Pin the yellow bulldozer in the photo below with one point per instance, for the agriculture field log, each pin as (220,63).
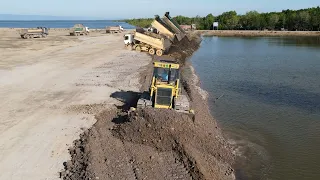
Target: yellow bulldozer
(165,89)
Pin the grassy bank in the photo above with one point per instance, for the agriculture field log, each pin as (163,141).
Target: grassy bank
(256,33)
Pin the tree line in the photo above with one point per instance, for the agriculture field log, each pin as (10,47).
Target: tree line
(291,20)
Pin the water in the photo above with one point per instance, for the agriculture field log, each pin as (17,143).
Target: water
(99,24)
(268,104)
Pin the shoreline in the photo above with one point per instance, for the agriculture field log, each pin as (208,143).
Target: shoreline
(219,33)
(250,33)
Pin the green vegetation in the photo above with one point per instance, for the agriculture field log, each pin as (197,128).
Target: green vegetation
(292,20)
(140,22)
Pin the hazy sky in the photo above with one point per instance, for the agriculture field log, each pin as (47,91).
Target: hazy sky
(111,9)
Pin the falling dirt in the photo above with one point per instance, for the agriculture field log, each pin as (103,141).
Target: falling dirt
(154,143)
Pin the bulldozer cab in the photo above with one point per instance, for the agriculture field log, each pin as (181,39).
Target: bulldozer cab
(164,84)
(166,75)
(166,72)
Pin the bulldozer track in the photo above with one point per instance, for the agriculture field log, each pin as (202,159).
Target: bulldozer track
(176,169)
(165,164)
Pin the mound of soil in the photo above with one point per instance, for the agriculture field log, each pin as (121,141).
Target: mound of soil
(201,151)
(181,50)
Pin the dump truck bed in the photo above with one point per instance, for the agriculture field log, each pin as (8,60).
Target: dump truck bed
(113,28)
(26,31)
(163,28)
(180,33)
(159,43)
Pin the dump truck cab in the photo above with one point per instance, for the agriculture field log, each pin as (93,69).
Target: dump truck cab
(128,39)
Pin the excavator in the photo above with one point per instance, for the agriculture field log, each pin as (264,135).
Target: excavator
(165,89)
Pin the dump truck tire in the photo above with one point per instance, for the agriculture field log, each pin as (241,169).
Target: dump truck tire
(159,52)
(151,51)
(138,48)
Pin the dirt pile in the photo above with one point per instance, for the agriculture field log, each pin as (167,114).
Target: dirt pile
(197,147)
(77,167)
(181,50)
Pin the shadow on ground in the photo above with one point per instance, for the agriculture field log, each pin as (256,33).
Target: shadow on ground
(129,99)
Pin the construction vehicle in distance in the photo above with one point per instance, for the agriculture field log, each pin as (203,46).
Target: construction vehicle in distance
(114,29)
(149,42)
(79,29)
(34,33)
(165,89)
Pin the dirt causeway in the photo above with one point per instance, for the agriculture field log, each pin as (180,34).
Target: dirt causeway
(153,143)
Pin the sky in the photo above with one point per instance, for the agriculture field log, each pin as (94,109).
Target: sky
(120,9)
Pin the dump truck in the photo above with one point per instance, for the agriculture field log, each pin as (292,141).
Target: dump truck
(173,24)
(114,29)
(168,27)
(79,29)
(162,28)
(34,33)
(165,89)
(150,42)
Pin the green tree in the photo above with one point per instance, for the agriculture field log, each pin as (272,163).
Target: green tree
(229,20)
(273,20)
(208,21)
(253,20)
(303,19)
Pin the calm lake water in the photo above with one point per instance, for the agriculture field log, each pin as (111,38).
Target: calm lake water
(265,94)
(98,24)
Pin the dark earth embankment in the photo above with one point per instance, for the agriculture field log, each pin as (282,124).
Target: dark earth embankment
(154,143)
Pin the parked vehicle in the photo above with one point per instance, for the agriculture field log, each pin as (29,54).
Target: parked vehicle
(114,29)
(79,29)
(39,32)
